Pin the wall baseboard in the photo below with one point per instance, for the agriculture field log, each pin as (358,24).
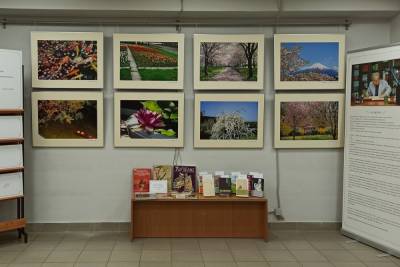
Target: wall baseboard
(124,227)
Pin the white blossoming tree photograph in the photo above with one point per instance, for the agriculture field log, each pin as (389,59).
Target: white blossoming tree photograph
(229,121)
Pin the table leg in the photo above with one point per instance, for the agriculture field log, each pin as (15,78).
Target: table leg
(266,221)
(132,217)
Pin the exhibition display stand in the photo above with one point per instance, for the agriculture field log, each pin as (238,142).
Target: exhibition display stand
(200,216)
(12,138)
(371,179)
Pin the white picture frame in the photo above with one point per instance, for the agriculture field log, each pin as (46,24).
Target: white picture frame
(11,93)
(318,97)
(228,85)
(67,36)
(310,38)
(39,141)
(159,141)
(200,142)
(148,84)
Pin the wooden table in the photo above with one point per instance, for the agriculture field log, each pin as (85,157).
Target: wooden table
(200,217)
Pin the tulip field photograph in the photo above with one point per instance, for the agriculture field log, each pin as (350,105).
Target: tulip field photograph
(313,120)
(149,119)
(67,119)
(148,61)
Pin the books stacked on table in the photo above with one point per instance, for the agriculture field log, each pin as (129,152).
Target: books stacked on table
(164,181)
(233,184)
(182,181)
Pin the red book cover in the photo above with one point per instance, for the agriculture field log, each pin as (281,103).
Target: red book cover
(141,180)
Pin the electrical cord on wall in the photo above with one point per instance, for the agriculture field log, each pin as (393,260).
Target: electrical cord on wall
(278,211)
(177,157)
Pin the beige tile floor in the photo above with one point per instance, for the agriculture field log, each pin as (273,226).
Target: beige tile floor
(95,247)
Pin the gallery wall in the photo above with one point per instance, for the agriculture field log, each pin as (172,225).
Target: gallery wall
(395,29)
(93,184)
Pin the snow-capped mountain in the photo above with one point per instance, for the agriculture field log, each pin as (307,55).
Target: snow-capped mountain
(318,66)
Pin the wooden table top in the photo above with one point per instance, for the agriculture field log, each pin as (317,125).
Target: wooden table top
(199,197)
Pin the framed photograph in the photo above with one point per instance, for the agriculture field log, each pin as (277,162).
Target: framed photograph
(148,61)
(309,61)
(67,59)
(148,119)
(376,83)
(67,119)
(309,120)
(229,120)
(228,61)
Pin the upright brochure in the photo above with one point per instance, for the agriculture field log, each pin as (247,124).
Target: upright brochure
(234,176)
(159,187)
(224,185)
(208,185)
(200,182)
(217,174)
(250,176)
(141,180)
(257,185)
(163,172)
(184,179)
(242,186)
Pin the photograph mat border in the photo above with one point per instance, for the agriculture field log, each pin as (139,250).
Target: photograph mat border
(309,38)
(228,85)
(258,143)
(178,142)
(278,143)
(68,36)
(38,141)
(168,37)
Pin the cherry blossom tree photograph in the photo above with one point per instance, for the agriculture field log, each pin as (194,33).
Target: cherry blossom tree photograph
(316,120)
(228,61)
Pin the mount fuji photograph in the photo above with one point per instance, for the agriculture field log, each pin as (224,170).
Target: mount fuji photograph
(303,61)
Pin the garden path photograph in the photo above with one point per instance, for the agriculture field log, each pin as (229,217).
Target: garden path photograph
(222,61)
(148,61)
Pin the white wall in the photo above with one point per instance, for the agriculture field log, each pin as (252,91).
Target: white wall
(93,184)
(395,29)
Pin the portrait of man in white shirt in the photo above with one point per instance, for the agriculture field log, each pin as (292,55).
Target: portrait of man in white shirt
(378,87)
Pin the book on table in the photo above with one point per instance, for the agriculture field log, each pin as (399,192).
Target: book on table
(141,181)
(242,186)
(163,172)
(184,179)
